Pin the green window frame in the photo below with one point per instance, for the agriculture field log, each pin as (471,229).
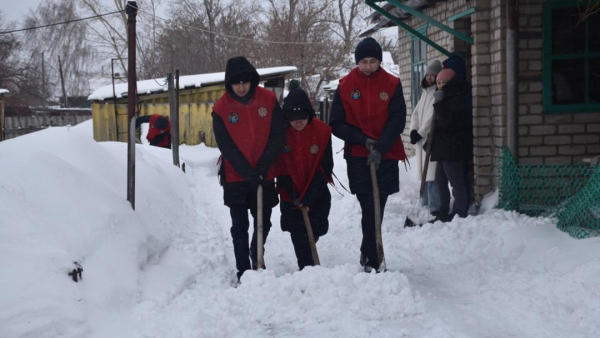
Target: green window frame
(418,64)
(570,58)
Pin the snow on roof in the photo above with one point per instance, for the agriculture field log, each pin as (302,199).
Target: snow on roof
(188,81)
(332,85)
(3,91)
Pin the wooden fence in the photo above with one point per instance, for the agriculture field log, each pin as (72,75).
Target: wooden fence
(17,123)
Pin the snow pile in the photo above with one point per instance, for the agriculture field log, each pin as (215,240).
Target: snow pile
(166,269)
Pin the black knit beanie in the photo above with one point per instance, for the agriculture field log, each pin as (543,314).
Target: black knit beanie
(297,106)
(162,123)
(368,47)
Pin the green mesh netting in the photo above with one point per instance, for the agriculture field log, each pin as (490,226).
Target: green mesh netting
(569,192)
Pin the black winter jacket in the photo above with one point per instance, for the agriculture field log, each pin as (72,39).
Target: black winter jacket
(453,131)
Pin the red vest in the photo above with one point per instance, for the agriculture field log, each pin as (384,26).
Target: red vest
(301,157)
(366,100)
(153,132)
(249,125)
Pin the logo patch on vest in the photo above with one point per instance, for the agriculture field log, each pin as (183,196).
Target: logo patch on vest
(314,149)
(384,96)
(233,117)
(287,148)
(262,112)
(355,94)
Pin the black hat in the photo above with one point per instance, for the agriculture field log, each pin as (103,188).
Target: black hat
(297,106)
(294,84)
(368,47)
(162,123)
(239,69)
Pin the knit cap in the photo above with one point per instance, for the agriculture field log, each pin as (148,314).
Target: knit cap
(445,74)
(434,67)
(368,47)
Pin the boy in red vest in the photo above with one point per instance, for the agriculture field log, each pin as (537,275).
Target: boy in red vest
(250,131)
(159,133)
(368,112)
(306,167)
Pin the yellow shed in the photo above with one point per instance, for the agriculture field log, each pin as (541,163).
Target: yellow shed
(197,95)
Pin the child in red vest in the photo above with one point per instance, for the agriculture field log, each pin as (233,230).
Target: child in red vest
(159,133)
(305,167)
(250,131)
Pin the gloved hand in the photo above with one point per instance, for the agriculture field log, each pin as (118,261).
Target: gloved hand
(370,143)
(374,157)
(415,137)
(255,180)
(438,96)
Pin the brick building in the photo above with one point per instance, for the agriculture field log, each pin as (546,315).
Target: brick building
(534,66)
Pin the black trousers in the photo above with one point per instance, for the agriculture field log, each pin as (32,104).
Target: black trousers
(302,248)
(368,246)
(453,172)
(239,234)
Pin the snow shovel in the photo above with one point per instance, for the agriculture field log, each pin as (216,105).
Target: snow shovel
(311,236)
(378,238)
(409,222)
(260,249)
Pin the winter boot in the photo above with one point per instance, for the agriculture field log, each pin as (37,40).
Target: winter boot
(443,217)
(363,259)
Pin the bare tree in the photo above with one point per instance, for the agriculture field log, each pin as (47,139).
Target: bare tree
(68,41)
(14,75)
(322,33)
(109,33)
(202,34)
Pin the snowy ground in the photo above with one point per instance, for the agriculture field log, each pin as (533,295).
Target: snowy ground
(167,268)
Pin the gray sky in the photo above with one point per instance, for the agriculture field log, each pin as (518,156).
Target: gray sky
(16,10)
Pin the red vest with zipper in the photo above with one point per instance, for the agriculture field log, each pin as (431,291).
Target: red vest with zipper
(153,132)
(301,157)
(366,100)
(249,125)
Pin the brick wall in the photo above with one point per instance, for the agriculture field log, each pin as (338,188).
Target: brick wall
(565,138)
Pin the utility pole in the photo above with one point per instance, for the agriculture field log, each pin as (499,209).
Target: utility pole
(175,122)
(62,83)
(44,80)
(131,11)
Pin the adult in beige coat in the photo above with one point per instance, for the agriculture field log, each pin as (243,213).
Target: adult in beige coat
(420,124)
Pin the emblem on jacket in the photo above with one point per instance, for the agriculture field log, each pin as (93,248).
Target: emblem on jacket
(355,94)
(384,96)
(262,112)
(233,117)
(287,148)
(314,149)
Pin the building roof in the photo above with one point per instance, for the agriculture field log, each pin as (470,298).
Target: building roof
(153,86)
(3,91)
(378,21)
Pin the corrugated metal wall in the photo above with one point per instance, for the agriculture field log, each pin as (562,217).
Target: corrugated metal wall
(195,122)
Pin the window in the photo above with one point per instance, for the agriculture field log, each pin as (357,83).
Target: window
(418,65)
(571,58)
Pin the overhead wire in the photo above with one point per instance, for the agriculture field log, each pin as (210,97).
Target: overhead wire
(59,23)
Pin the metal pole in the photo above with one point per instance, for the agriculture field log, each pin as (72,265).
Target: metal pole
(512,77)
(62,83)
(175,122)
(131,100)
